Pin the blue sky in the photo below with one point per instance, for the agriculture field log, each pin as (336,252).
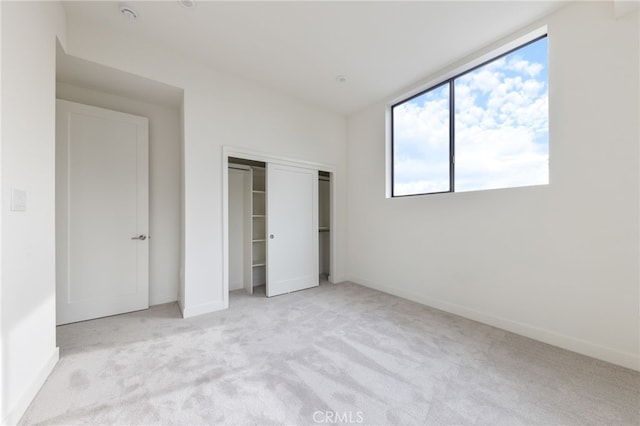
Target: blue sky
(501,128)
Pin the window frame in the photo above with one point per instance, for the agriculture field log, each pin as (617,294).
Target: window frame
(450,81)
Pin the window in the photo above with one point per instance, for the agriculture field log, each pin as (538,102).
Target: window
(485,128)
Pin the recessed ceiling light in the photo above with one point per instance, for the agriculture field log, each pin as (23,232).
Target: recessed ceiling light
(188,3)
(341,79)
(128,11)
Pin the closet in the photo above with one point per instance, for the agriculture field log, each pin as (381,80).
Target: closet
(324,225)
(278,242)
(247,225)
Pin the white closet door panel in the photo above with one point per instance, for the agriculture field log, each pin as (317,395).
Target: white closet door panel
(292,229)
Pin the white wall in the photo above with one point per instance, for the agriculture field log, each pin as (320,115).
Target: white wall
(558,263)
(2,374)
(27,296)
(164,182)
(220,110)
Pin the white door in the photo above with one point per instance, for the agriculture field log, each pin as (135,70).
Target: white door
(292,229)
(102,212)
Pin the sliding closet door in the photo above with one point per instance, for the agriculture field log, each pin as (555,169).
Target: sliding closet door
(292,229)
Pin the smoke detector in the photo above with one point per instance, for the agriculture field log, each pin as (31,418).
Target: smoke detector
(128,11)
(188,3)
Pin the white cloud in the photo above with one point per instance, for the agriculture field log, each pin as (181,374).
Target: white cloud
(419,125)
(524,66)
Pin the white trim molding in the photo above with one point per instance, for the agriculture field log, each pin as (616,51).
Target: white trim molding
(204,308)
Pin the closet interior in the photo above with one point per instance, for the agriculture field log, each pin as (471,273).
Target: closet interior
(324,225)
(247,225)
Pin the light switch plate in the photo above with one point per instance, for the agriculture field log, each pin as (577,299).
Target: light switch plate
(18,200)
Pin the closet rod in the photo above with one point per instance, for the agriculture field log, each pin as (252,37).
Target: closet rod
(238,168)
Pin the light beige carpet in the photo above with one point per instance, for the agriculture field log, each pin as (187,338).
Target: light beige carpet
(334,354)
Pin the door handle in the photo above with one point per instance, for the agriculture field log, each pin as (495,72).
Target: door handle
(272,236)
(140,237)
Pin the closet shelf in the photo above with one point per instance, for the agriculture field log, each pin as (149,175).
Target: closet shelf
(257,191)
(259,263)
(323,229)
(257,215)
(258,241)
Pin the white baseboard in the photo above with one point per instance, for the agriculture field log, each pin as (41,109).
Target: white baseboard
(236,286)
(624,359)
(203,308)
(161,299)
(18,410)
(335,279)
(181,307)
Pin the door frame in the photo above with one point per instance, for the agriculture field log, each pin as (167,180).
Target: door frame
(248,154)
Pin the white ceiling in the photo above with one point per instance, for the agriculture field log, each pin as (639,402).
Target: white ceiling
(300,47)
